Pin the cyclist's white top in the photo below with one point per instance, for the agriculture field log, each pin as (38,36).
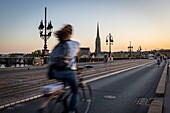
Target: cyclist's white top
(72,53)
(158,58)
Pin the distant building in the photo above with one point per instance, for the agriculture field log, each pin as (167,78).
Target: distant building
(165,52)
(150,56)
(98,42)
(85,52)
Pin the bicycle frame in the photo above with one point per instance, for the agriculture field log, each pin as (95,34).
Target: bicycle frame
(62,92)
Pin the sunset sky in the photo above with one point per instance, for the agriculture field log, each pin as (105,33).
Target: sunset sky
(145,23)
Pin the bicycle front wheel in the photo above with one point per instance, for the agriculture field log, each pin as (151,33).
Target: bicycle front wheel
(55,105)
(85,99)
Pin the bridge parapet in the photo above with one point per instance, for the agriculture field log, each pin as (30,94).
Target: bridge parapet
(18,61)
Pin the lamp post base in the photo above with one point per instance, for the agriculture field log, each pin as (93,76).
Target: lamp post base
(45,54)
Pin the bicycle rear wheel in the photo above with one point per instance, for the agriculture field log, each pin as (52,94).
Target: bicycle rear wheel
(85,99)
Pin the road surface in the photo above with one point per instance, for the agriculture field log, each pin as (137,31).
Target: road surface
(118,93)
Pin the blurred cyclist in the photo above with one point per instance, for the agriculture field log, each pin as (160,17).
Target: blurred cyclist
(68,75)
(158,57)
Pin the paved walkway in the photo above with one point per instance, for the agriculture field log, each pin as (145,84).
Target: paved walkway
(167,94)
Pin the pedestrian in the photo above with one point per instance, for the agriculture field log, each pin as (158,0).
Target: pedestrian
(68,75)
(105,58)
(92,60)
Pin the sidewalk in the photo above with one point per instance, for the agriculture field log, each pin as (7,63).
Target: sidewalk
(167,93)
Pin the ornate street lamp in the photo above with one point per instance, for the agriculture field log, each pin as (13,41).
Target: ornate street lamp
(45,36)
(109,40)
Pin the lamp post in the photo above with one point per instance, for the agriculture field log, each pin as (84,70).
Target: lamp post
(109,40)
(139,52)
(45,36)
(130,50)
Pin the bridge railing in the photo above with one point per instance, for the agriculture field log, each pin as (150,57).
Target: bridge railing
(25,61)
(12,61)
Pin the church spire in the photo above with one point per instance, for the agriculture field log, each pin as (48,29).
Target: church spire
(98,44)
(98,29)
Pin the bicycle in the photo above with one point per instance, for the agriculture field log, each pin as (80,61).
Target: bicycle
(158,62)
(57,96)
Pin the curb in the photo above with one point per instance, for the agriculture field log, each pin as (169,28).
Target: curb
(160,91)
(20,101)
(156,106)
(158,103)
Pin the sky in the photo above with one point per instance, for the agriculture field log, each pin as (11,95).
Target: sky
(144,23)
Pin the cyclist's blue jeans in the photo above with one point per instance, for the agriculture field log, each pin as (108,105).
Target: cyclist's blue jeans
(69,77)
